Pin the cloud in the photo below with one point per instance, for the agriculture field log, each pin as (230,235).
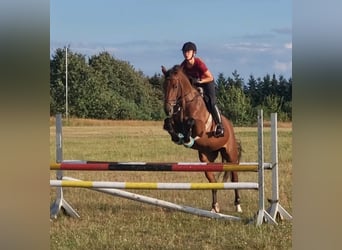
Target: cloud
(288,45)
(137,47)
(282,66)
(259,36)
(284,30)
(247,46)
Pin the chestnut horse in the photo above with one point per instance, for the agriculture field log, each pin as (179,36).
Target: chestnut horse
(190,124)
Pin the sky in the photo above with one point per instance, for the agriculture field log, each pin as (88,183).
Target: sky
(253,37)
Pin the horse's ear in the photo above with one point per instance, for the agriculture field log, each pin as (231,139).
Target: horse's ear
(163,70)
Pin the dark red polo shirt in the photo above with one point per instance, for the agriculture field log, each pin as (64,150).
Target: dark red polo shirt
(197,70)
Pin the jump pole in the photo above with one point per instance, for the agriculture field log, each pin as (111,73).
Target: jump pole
(161,203)
(153,166)
(153,185)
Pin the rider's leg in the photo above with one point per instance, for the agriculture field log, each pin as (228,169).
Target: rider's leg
(209,89)
(217,117)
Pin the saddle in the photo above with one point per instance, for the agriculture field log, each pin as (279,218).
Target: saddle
(201,92)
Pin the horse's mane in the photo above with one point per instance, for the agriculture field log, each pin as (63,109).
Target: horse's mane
(178,70)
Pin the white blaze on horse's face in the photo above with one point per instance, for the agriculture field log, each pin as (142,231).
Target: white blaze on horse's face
(171,91)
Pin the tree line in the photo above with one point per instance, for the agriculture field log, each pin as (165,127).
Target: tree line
(104,87)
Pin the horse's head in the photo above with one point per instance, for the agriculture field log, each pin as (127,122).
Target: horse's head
(172,89)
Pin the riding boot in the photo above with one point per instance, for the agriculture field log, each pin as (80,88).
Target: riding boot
(219,131)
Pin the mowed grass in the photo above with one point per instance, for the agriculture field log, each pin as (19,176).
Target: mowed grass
(109,222)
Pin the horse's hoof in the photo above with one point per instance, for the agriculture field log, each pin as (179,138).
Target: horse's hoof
(215,208)
(238,208)
(190,143)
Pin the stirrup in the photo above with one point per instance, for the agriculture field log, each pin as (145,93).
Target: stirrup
(219,131)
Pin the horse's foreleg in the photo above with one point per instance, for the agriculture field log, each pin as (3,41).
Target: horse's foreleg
(169,127)
(235,178)
(188,126)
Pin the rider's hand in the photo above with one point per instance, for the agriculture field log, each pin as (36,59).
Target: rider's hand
(194,81)
(198,83)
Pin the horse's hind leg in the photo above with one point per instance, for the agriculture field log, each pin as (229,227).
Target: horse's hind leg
(211,178)
(234,178)
(214,205)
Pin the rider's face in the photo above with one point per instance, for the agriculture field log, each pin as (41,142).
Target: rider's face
(188,54)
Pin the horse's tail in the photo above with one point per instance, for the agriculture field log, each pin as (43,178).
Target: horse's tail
(225,173)
(240,150)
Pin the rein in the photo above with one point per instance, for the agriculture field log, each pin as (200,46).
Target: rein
(183,96)
(182,100)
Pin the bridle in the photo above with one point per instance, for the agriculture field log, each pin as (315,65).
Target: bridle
(181,98)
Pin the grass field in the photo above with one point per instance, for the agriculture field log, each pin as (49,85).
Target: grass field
(109,222)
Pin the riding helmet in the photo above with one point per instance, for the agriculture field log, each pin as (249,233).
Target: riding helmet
(189,46)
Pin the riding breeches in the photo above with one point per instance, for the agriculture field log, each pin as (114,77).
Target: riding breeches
(210,100)
(209,95)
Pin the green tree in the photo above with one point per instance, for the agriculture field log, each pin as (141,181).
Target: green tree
(232,100)
(252,91)
(103,87)
(57,82)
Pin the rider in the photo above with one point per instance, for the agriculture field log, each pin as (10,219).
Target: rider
(200,76)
